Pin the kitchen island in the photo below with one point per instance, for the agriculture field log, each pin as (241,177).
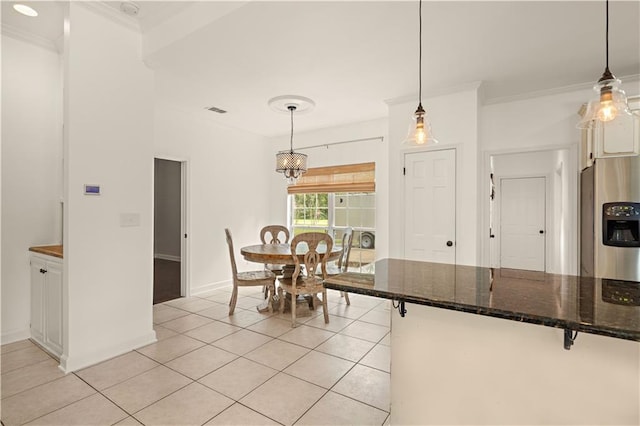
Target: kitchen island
(478,346)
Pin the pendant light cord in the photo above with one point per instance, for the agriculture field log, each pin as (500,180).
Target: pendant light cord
(420,54)
(291,108)
(607,34)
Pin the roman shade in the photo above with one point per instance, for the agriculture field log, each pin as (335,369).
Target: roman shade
(346,178)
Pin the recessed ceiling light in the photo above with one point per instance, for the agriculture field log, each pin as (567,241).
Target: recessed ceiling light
(25,10)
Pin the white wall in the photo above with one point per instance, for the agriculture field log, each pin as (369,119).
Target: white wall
(339,154)
(227,186)
(108,119)
(166,209)
(31,171)
(454,120)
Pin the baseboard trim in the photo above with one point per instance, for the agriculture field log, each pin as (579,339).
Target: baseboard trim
(209,287)
(15,336)
(70,364)
(167,257)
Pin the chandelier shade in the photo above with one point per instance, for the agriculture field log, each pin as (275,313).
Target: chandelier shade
(291,164)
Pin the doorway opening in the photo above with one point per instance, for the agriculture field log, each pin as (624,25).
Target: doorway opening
(530,210)
(169,250)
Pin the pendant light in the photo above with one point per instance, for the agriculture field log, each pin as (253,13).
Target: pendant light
(290,163)
(611,101)
(420,129)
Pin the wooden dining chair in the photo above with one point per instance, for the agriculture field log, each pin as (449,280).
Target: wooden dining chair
(274,234)
(249,278)
(309,280)
(342,265)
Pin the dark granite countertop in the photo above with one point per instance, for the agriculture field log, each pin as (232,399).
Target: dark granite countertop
(591,305)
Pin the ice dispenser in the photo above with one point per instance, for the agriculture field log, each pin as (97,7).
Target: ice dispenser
(621,224)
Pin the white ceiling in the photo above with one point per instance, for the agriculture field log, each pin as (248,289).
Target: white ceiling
(351,57)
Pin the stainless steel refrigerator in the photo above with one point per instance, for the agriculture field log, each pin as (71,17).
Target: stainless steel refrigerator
(610,219)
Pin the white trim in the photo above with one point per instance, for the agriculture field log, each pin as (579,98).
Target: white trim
(115,15)
(68,365)
(15,336)
(167,257)
(552,91)
(185,243)
(206,288)
(465,87)
(29,37)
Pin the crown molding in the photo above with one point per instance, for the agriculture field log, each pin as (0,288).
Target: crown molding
(29,37)
(115,15)
(553,91)
(474,85)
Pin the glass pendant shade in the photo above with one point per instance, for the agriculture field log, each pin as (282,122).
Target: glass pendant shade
(609,102)
(420,130)
(291,164)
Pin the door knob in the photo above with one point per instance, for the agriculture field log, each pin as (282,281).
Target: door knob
(449,243)
(42,271)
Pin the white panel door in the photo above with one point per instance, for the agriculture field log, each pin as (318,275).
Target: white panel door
(522,223)
(430,206)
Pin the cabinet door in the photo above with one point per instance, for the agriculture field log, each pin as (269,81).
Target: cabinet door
(53,311)
(37,298)
(620,137)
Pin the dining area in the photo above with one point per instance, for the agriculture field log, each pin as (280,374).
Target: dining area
(293,269)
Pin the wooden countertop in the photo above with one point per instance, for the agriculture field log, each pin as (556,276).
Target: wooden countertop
(53,250)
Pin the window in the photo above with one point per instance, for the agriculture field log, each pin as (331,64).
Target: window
(330,199)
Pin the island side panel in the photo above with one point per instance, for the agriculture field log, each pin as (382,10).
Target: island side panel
(450,367)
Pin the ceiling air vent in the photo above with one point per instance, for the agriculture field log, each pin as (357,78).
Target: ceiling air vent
(215,109)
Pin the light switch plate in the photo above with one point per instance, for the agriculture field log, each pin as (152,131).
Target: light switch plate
(129,219)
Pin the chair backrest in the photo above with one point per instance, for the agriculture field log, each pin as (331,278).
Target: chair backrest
(270,234)
(231,255)
(347,241)
(312,258)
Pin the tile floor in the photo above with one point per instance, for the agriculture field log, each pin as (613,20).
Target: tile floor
(208,368)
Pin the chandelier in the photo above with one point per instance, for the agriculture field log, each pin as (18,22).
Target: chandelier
(290,163)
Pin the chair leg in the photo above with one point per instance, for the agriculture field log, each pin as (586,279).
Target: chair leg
(271,291)
(293,310)
(281,297)
(325,308)
(346,297)
(234,299)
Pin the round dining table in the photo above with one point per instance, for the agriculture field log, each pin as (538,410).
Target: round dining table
(280,254)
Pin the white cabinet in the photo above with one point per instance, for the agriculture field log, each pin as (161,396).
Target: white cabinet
(46,302)
(620,137)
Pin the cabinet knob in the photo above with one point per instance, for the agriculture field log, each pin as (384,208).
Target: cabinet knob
(449,243)
(43,271)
